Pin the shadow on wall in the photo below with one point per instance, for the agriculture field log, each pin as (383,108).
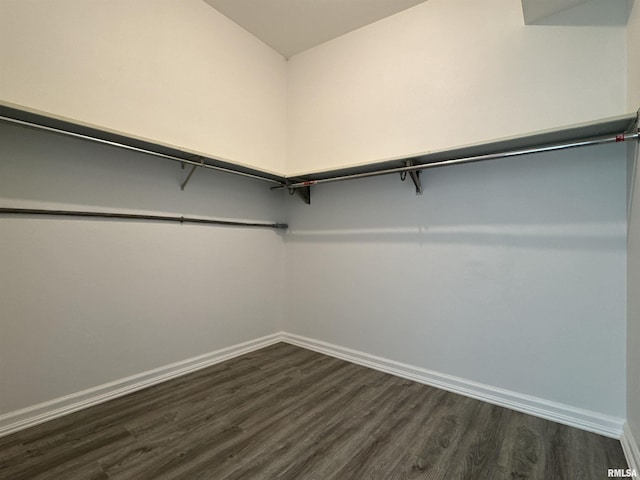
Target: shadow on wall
(476,236)
(39,168)
(573,199)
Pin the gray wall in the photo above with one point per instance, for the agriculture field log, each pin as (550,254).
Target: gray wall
(85,302)
(633,306)
(633,247)
(509,273)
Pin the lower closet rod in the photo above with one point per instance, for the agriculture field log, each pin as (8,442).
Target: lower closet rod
(133,216)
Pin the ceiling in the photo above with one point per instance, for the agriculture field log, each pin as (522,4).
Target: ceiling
(292,26)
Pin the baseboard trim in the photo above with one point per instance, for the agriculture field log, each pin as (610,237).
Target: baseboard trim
(630,448)
(557,412)
(43,412)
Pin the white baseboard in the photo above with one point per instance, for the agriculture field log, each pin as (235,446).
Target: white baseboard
(43,412)
(557,412)
(630,448)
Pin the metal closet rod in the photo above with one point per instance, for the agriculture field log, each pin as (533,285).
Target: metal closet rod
(133,216)
(476,158)
(136,149)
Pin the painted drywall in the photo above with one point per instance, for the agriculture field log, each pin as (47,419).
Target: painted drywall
(509,273)
(633,240)
(633,303)
(178,72)
(86,302)
(633,58)
(447,73)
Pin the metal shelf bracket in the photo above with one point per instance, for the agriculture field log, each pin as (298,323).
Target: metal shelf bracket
(193,169)
(414,175)
(304,192)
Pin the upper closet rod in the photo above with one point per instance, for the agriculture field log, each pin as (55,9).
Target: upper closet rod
(477,158)
(136,149)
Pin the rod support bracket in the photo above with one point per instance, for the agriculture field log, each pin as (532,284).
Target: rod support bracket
(414,175)
(193,169)
(303,192)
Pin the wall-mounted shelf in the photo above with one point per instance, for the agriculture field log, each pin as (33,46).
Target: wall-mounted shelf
(43,122)
(609,130)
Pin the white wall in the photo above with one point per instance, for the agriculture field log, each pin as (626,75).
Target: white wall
(174,71)
(633,246)
(447,73)
(633,58)
(633,304)
(509,273)
(442,74)
(85,302)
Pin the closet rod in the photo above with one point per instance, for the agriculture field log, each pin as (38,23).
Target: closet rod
(136,149)
(602,140)
(132,216)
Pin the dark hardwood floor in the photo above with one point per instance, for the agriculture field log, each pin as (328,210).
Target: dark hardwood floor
(284,412)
